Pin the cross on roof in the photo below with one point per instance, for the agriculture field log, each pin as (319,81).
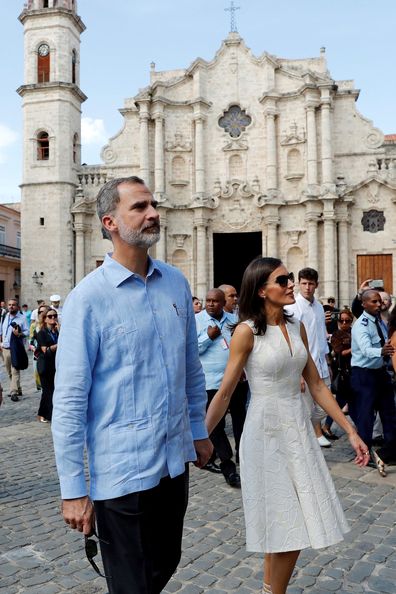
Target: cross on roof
(232,9)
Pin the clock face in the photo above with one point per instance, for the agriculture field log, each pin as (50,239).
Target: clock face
(43,50)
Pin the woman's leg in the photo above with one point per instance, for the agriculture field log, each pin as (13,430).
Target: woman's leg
(267,573)
(282,565)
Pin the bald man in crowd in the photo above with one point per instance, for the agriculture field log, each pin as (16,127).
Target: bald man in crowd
(371,384)
(239,398)
(214,326)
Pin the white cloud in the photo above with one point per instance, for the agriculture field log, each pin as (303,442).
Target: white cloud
(7,137)
(93,131)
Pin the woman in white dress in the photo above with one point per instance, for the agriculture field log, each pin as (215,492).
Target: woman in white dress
(288,495)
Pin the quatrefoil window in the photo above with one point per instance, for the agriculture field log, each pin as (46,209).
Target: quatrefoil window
(234,121)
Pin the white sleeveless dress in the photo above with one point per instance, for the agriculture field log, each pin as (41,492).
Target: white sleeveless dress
(289,498)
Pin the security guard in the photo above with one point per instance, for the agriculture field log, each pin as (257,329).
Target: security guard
(371,384)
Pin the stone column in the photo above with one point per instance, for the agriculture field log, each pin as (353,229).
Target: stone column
(271,168)
(144,116)
(329,249)
(343,265)
(202,256)
(80,251)
(199,155)
(272,221)
(312,214)
(327,153)
(312,151)
(159,169)
(161,246)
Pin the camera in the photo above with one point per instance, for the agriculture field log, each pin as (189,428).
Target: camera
(376,284)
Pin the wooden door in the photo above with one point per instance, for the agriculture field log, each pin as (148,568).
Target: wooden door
(377,266)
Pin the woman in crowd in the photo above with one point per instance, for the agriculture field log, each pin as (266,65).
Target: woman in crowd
(47,341)
(35,327)
(289,498)
(341,345)
(197,305)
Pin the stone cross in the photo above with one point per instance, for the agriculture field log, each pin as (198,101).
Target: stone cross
(232,9)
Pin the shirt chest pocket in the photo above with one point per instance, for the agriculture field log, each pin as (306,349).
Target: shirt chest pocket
(120,340)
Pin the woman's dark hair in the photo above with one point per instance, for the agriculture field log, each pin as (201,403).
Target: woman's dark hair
(250,304)
(345,312)
(392,322)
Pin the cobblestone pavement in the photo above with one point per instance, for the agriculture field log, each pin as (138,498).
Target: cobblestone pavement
(40,555)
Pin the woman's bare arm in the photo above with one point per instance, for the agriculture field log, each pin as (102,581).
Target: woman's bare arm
(240,348)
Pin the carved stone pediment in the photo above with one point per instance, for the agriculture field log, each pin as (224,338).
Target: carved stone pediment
(239,144)
(179,144)
(294,136)
(233,188)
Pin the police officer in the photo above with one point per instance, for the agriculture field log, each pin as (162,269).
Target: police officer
(371,384)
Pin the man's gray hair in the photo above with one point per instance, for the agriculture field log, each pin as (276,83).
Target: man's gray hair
(108,198)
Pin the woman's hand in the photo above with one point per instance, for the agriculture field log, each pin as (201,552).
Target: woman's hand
(361,450)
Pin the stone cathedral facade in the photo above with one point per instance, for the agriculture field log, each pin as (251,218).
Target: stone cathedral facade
(245,154)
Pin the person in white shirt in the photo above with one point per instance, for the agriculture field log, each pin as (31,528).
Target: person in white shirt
(310,311)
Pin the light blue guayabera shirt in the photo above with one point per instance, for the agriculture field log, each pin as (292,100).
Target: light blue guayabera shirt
(6,328)
(129,383)
(214,353)
(366,343)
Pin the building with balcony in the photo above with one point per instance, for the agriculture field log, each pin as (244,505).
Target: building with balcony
(10,251)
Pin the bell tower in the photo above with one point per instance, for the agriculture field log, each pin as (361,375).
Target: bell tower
(51,105)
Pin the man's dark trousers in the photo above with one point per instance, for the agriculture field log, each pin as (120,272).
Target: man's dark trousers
(221,443)
(373,391)
(144,532)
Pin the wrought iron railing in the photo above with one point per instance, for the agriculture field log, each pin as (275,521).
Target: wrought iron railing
(8,250)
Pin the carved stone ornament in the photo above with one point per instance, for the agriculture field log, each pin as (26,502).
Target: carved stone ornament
(372,193)
(179,144)
(108,154)
(234,121)
(375,138)
(233,187)
(180,239)
(373,221)
(294,235)
(294,136)
(236,145)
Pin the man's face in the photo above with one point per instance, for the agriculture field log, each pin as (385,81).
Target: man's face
(2,303)
(307,288)
(214,303)
(386,300)
(136,218)
(372,304)
(231,298)
(12,307)
(55,303)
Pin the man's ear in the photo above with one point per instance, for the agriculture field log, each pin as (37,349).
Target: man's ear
(109,223)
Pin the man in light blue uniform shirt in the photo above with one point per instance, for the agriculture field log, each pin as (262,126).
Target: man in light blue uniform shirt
(371,385)
(130,388)
(14,322)
(214,336)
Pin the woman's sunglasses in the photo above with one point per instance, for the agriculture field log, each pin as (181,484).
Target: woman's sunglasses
(51,316)
(347,321)
(283,279)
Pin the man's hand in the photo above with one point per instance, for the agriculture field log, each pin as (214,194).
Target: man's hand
(204,450)
(388,349)
(79,514)
(213,332)
(365,285)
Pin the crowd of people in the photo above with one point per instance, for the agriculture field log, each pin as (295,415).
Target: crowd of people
(39,329)
(144,387)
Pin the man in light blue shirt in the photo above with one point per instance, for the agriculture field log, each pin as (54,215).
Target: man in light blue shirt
(214,335)
(14,322)
(371,385)
(129,386)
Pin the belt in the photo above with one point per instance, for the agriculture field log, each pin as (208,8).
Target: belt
(7,348)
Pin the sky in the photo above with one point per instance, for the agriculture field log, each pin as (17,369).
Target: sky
(124,36)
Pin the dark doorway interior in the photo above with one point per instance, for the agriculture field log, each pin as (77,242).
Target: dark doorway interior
(2,297)
(232,252)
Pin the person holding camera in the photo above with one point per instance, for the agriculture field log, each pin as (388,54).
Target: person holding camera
(47,341)
(15,323)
